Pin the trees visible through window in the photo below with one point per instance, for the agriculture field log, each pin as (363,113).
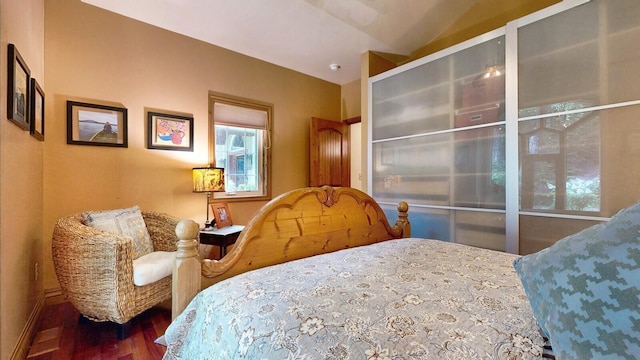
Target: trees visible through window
(241,145)
(560,160)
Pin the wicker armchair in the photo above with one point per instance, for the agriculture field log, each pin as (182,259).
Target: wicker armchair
(95,269)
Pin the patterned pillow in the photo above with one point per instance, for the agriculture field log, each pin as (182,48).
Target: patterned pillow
(128,222)
(585,290)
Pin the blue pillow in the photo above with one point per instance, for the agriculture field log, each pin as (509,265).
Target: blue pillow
(585,290)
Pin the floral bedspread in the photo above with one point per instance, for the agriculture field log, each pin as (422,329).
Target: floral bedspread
(400,299)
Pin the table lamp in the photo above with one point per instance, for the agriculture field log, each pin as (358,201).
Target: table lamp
(208,180)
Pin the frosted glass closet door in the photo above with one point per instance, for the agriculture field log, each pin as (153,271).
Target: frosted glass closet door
(579,128)
(438,143)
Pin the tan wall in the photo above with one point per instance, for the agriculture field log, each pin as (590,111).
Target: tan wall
(21,159)
(483,17)
(350,100)
(351,108)
(95,54)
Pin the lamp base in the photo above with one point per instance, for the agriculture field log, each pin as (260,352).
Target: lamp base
(209,225)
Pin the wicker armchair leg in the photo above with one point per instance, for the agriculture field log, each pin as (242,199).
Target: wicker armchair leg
(124,330)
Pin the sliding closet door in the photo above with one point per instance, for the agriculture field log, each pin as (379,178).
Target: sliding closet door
(578,119)
(438,142)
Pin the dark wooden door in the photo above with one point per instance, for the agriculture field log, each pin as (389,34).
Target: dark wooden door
(329,153)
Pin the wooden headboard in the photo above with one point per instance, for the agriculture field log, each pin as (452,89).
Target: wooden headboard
(303,223)
(298,224)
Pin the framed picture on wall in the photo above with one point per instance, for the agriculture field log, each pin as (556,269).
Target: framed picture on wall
(93,124)
(221,214)
(36,111)
(169,131)
(18,89)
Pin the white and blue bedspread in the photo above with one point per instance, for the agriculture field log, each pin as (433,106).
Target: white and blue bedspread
(400,299)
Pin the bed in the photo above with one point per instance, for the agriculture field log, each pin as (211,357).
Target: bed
(319,273)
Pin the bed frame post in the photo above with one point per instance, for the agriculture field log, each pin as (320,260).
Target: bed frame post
(402,222)
(186,269)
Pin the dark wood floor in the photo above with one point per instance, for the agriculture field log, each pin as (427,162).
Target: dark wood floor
(61,336)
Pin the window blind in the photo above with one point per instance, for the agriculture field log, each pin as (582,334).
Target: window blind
(230,115)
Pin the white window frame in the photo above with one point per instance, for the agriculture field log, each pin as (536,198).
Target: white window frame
(244,106)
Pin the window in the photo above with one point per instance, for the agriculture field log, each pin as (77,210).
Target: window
(240,143)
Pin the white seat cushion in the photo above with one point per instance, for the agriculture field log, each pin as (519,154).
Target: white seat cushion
(152,267)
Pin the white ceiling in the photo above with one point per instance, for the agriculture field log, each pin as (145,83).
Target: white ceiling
(302,35)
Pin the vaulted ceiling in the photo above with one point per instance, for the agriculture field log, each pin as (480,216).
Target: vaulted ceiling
(303,35)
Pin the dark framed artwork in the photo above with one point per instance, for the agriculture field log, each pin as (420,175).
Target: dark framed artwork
(93,124)
(18,89)
(222,215)
(36,111)
(169,132)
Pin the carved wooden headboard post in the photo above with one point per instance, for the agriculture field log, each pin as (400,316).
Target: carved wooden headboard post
(403,219)
(186,267)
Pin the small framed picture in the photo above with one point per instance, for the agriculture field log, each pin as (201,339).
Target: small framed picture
(169,132)
(36,111)
(221,214)
(92,124)
(18,89)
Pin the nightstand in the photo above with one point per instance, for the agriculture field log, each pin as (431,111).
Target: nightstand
(221,237)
